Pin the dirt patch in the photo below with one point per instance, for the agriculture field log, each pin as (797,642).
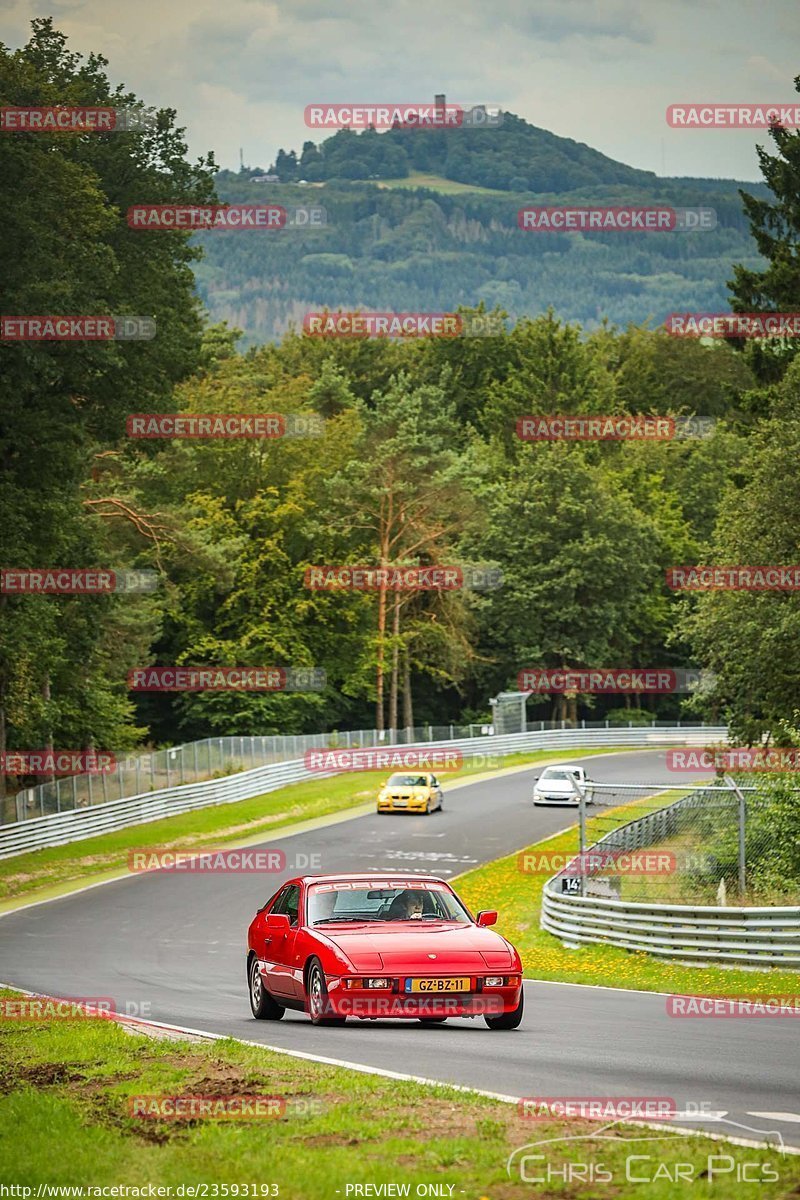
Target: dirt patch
(42,1075)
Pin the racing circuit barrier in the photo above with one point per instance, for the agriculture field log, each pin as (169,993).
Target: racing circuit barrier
(691,933)
(76,824)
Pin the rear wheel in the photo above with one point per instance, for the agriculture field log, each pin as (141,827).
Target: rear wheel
(263,1007)
(509,1020)
(317,1001)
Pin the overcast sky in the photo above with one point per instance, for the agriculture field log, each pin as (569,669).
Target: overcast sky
(241,72)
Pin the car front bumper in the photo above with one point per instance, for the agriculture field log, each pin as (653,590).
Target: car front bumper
(412,806)
(369,1004)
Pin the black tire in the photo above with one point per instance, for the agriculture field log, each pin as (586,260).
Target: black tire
(262,1005)
(317,996)
(508,1020)
(432,1020)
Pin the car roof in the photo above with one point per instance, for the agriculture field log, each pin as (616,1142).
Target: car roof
(367,877)
(563,767)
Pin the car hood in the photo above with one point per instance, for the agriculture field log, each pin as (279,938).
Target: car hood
(428,947)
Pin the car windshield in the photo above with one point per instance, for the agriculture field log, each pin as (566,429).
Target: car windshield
(407,781)
(346,901)
(552,774)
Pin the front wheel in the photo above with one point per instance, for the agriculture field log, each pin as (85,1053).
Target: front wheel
(317,1000)
(262,1005)
(509,1020)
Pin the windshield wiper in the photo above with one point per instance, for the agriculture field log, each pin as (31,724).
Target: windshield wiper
(327,920)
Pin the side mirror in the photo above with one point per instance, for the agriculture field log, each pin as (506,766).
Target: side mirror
(487,916)
(279,922)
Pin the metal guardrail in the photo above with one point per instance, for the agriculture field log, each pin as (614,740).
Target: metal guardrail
(73,825)
(768,936)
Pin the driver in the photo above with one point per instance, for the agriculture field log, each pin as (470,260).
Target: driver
(407,905)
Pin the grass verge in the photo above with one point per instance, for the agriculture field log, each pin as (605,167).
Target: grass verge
(65,1119)
(437,183)
(221,824)
(518,896)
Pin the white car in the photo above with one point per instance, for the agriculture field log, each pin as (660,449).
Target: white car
(556,785)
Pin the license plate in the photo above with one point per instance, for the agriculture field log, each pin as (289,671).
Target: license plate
(399,803)
(437,985)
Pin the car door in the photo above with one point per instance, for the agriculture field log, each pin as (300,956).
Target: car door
(279,944)
(436,790)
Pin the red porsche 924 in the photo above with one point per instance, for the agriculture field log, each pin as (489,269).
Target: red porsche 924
(339,946)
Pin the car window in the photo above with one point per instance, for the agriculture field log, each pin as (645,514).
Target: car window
(367,903)
(288,902)
(407,781)
(434,781)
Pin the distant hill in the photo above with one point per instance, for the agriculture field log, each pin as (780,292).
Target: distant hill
(404,247)
(514,156)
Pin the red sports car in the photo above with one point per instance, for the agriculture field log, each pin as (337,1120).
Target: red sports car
(339,946)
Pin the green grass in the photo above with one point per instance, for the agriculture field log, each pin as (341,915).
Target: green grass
(517,896)
(222,824)
(65,1120)
(437,183)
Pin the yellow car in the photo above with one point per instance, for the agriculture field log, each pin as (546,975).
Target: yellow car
(410,791)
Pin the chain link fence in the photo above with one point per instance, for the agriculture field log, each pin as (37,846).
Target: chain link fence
(214,758)
(734,841)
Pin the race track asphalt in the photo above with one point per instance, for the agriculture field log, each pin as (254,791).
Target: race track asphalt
(172,946)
